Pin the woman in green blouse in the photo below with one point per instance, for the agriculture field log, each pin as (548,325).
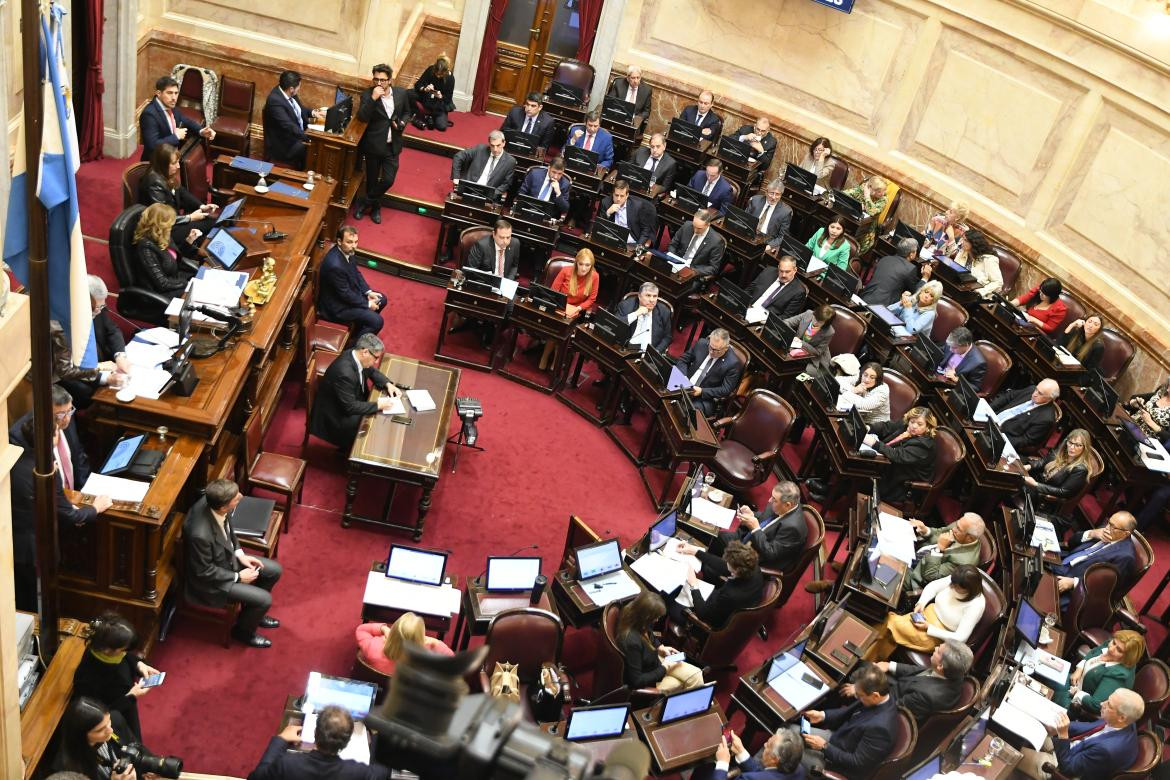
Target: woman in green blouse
(871,193)
(828,244)
(1106,668)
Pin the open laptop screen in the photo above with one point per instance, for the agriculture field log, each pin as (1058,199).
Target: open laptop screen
(594,560)
(1028,622)
(596,722)
(663,530)
(414,565)
(354,696)
(687,703)
(512,574)
(224,248)
(786,660)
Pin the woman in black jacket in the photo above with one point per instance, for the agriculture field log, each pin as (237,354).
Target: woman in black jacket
(1083,339)
(158,257)
(91,741)
(644,654)
(1067,468)
(110,672)
(432,94)
(909,444)
(161,185)
(740,591)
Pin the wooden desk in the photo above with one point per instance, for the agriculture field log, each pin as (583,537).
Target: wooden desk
(748,252)
(575,606)
(480,607)
(457,215)
(404,454)
(598,749)
(672,287)
(841,626)
(337,155)
(681,744)
(440,623)
(44,709)
(612,360)
(327,187)
(551,326)
(767,710)
(487,309)
(993,482)
(1020,342)
(613,266)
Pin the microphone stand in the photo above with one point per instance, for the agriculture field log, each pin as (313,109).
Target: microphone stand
(272,235)
(205,348)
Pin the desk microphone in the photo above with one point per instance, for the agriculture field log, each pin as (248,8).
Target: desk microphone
(479,579)
(272,235)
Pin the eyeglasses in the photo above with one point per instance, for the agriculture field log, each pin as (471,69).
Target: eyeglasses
(380,79)
(64,415)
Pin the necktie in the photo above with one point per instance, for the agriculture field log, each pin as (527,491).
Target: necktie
(1079,557)
(1015,411)
(652,164)
(701,374)
(693,246)
(1095,730)
(544,191)
(297,112)
(486,176)
(499,261)
(900,437)
(631,95)
(171,120)
(771,297)
(66,461)
(528,125)
(708,187)
(699,119)
(762,226)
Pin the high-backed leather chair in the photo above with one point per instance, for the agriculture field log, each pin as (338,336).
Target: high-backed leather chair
(903,393)
(1076,311)
(526,637)
(1151,681)
(1009,267)
(889,214)
(1119,351)
(467,239)
(575,74)
(233,122)
(814,538)
(610,668)
(840,173)
(988,551)
(999,364)
(271,471)
(752,440)
(193,168)
(1145,559)
(898,761)
(848,331)
(948,316)
(556,263)
(130,178)
(994,609)
(317,334)
(312,380)
(191,95)
(136,300)
(938,724)
(719,648)
(1091,606)
(854,255)
(949,452)
(1149,755)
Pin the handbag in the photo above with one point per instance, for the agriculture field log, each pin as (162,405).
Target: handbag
(505,682)
(548,697)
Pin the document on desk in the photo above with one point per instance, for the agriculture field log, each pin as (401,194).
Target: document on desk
(714,514)
(508,288)
(866,448)
(855,298)
(1042,709)
(755,315)
(146,355)
(158,335)
(1044,536)
(420,400)
(1154,456)
(215,292)
(896,537)
(148,382)
(815,264)
(1052,669)
(793,688)
(983,411)
(117,488)
(1065,357)
(666,573)
(1020,723)
(620,587)
(396,407)
(439,600)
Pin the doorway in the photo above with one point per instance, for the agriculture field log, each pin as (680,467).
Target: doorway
(535,36)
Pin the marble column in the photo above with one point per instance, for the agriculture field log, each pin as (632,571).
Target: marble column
(120,74)
(475,16)
(604,46)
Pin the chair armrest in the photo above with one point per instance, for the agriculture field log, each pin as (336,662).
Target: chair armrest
(189,264)
(485,681)
(766,456)
(722,422)
(1126,616)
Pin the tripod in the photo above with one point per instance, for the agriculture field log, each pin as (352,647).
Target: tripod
(460,440)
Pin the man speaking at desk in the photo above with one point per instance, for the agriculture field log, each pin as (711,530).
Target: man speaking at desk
(341,399)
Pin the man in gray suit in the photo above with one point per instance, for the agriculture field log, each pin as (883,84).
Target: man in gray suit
(925,690)
(893,275)
(485,164)
(774,215)
(778,534)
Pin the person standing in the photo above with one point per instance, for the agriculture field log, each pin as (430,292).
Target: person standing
(285,120)
(386,110)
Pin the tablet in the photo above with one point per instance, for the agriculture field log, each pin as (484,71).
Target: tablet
(121,457)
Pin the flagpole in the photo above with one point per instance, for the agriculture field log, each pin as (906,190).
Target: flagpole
(38,287)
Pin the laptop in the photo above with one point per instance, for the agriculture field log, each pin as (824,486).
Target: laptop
(1028,623)
(600,563)
(121,458)
(932,767)
(663,531)
(685,704)
(509,575)
(847,205)
(602,722)
(785,661)
(410,564)
(224,248)
(610,233)
(684,132)
(892,321)
(323,690)
(735,149)
(739,221)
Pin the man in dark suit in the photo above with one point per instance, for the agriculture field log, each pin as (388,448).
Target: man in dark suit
(285,120)
(759,137)
(162,123)
(78,470)
(496,254)
(855,740)
(779,759)
(1091,750)
(778,533)
(637,214)
(218,571)
(698,244)
(344,295)
(386,110)
(777,290)
(1026,416)
(962,359)
(710,125)
(773,215)
(1112,543)
(714,371)
(334,729)
(925,690)
(595,138)
(550,183)
(648,318)
(530,119)
(712,185)
(111,344)
(486,164)
(633,89)
(742,589)
(893,275)
(661,165)
(341,398)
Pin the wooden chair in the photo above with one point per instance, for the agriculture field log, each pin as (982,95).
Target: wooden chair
(130,179)
(223,619)
(193,168)
(1151,681)
(267,544)
(934,728)
(467,239)
(233,122)
(840,173)
(1067,507)
(752,440)
(949,452)
(576,74)
(271,471)
(814,540)
(361,670)
(995,607)
(527,637)
(313,374)
(1076,311)
(317,334)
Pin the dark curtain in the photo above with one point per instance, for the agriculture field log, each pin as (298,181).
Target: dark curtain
(487,57)
(89,129)
(589,13)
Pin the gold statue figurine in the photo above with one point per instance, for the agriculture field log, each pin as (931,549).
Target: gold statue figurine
(260,289)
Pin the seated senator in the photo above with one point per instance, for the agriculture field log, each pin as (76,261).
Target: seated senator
(648,318)
(661,165)
(819,160)
(925,690)
(814,328)
(111,344)
(434,91)
(1049,311)
(382,646)
(948,608)
(700,245)
(81,383)
(867,393)
(856,739)
(759,137)
(344,295)
(1095,677)
(1151,411)
(1112,543)
(871,194)
(976,253)
(636,214)
(1027,415)
(91,741)
(531,119)
(942,550)
(828,244)
(777,534)
(777,291)
(487,164)
(893,275)
(712,185)
(943,231)
(341,401)
(643,652)
(549,183)
(1112,748)
(714,370)
(496,254)
(1083,339)
(282,761)
(778,759)
(158,256)
(918,310)
(909,443)
(1065,470)
(632,89)
(701,114)
(161,185)
(773,216)
(963,359)
(592,137)
(111,671)
(742,589)
(579,282)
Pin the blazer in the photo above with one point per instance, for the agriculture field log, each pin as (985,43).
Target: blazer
(279,763)
(379,126)
(939,564)
(708,260)
(664,173)
(1097,758)
(620,87)
(110,340)
(822,170)
(341,286)
(720,193)
(892,276)
(763,161)
(470,162)
(789,301)
(341,400)
(752,769)
(284,126)
(729,597)
(154,129)
(818,345)
(661,332)
(641,217)
(1120,554)
(24,517)
(862,737)
(779,540)
(1031,428)
(211,557)
(77,455)
(159,269)
(1064,483)
(722,377)
(973,366)
(922,694)
(153,188)
(483,256)
(543,125)
(109,684)
(643,667)
(711,121)
(602,144)
(778,223)
(1072,343)
(910,459)
(534,182)
(1098,684)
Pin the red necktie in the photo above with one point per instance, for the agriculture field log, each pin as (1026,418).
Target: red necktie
(171,119)
(66,461)
(589,141)
(1088,733)
(898,438)
(499,261)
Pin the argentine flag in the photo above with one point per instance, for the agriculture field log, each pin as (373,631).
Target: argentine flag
(57,189)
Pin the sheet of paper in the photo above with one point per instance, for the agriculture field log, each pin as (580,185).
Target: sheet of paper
(855,298)
(896,537)
(795,690)
(865,448)
(319,128)
(845,401)
(1044,710)
(1155,457)
(396,407)
(420,400)
(116,488)
(1049,668)
(1065,357)
(508,288)
(755,315)
(358,747)
(431,599)
(983,411)
(1019,722)
(815,265)
(145,355)
(214,293)
(227,278)
(148,382)
(1044,535)
(666,573)
(712,513)
(621,587)
(158,335)
(1009,452)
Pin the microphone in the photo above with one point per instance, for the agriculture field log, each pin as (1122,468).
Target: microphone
(272,235)
(479,579)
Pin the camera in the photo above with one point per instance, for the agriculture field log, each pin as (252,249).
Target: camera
(144,761)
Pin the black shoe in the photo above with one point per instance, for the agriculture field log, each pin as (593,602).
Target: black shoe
(376,215)
(359,210)
(255,640)
(430,120)
(817,486)
(419,123)
(601,381)
(269,622)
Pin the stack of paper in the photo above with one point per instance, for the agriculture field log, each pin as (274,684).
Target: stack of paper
(145,355)
(709,512)
(1065,357)
(386,591)
(148,382)
(896,537)
(1044,536)
(158,335)
(508,288)
(983,411)
(621,586)
(117,488)
(815,264)
(793,688)
(1025,713)
(755,315)
(420,400)
(215,292)
(396,407)
(665,573)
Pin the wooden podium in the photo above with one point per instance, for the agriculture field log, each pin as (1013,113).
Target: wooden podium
(337,155)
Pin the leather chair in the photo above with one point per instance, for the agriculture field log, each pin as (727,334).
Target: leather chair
(193,169)
(610,669)
(848,331)
(1089,614)
(840,173)
(271,471)
(1151,681)
(995,607)
(948,316)
(1119,351)
(1149,755)
(735,190)
(719,648)
(312,380)
(898,761)
(752,440)
(221,618)
(938,724)
(1009,267)
(361,670)
(949,452)
(1076,311)
(999,365)
(1068,507)
(854,255)
(136,300)
(889,214)
(556,263)
(814,539)
(526,637)
(191,95)
(468,238)
(233,122)
(903,393)
(1145,560)
(317,334)
(130,178)
(575,74)
(988,551)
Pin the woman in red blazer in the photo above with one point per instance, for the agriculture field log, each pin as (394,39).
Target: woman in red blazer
(579,282)
(1049,312)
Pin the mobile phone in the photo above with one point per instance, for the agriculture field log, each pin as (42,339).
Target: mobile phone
(153,680)
(811,679)
(674,658)
(805,727)
(852,648)
(727,733)
(918,617)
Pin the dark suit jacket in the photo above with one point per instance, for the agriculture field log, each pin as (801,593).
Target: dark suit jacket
(641,217)
(278,763)
(542,129)
(729,597)
(1098,758)
(342,286)
(602,144)
(779,541)
(470,162)
(620,87)
(660,329)
(779,222)
(24,519)
(534,181)
(158,270)
(483,256)
(211,562)
(154,129)
(1030,429)
(891,277)
(768,142)
(818,345)
(790,300)
(153,188)
(1119,554)
(752,769)
(643,668)
(81,465)
(711,121)
(108,336)
(284,126)
(923,694)
(720,194)
(862,737)
(341,400)
(910,459)
(664,173)
(378,125)
(722,377)
(708,260)
(973,366)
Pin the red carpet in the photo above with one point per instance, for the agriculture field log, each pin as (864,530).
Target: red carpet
(468,130)
(402,236)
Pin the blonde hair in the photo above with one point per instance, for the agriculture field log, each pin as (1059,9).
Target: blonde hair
(585,253)
(1133,646)
(961,209)
(926,415)
(1061,460)
(408,628)
(155,224)
(442,64)
(934,287)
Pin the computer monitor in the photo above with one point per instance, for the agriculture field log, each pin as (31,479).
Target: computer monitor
(636,175)
(598,559)
(224,248)
(486,278)
(684,132)
(1028,622)
(690,413)
(885,317)
(1045,348)
(610,233)
(825,388)
(473,191)
(511,574)
(970,739)
(927,769)
(739,221)
(617,110)
(658,363)
(784,661)
(1134,436)
(534,208)
(732,297)
(847,205)
(845,283)
(690,200)
(965,397)
(610,327)
(684,704)
(601,722)
(337,116)
(779,334)
(802,254)
(734,149)
(993,442)
(354,696)
(663,531)
(121,457)
(185,315)
(564,93)
(520,142)
(1100,394)
(580,160)
(902,230)
(231,211)
(953,272)
(925,352)
(412,564)
(800,179)
(853,428)
(547,297)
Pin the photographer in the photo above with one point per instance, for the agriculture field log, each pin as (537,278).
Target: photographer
(91,745)
(334,728)
(110,672)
